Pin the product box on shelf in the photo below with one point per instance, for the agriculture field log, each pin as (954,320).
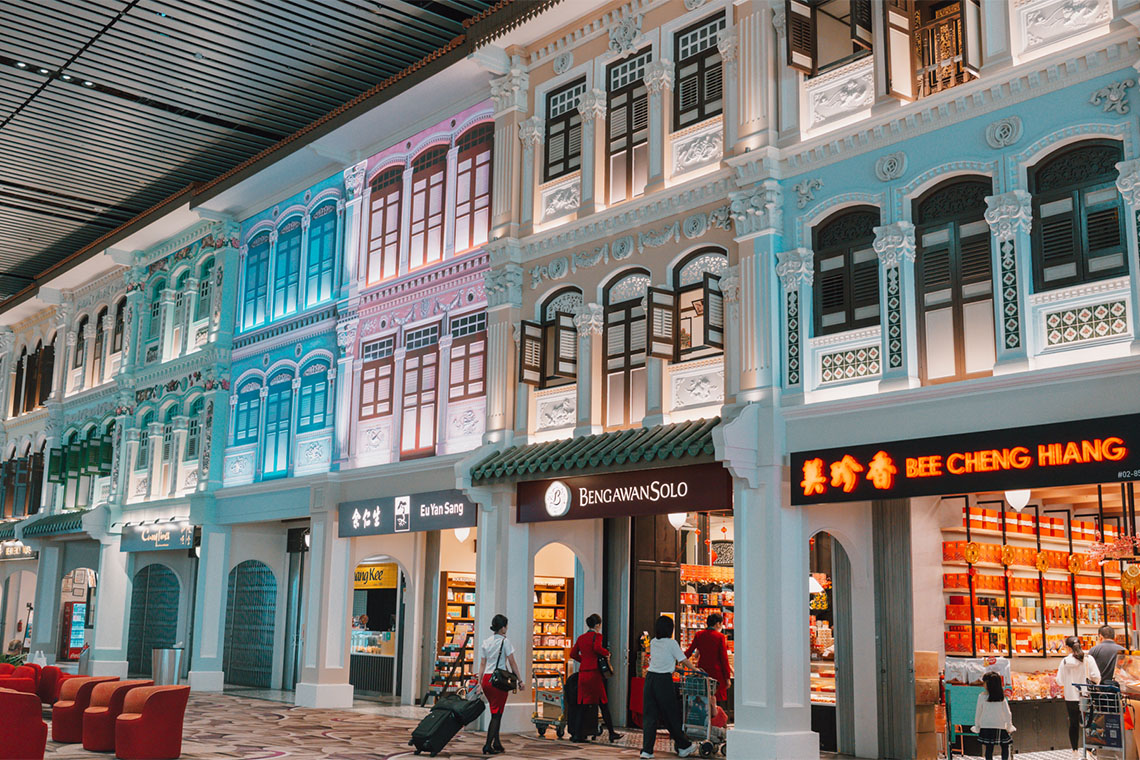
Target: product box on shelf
(926,664)
(927,691)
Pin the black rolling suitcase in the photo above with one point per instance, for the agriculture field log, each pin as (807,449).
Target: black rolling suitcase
(446,718)
(570,706)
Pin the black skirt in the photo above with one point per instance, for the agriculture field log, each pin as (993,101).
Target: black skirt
(994,736)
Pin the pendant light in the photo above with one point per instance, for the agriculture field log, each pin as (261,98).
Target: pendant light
(1017,498)
(677,519)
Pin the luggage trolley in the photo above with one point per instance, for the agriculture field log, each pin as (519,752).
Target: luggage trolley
(549,708)
(1102,720)
(697,693)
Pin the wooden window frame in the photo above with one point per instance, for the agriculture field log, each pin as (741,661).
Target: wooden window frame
(414,403)
(373,372)
(205,288)
(320,259)
(194,431)
(429,178)
(120,326)
(382,247)
(255,297)
(704,60)
(561,129)
(468,358)
(548,352)
(473,161)
(287,278)
(279,395)
(631,101)
(251,414)
(80,343)
(623,314)
(314,388)
(142,458)
(849,272)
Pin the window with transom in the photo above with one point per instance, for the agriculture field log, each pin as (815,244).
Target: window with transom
(624,352)
(846,271)
(314,397)
(278,414)
(205,285)
(383,249)
(247,413)
(155,322)
(548,349)
(421,360)
(321,255)
(376,370)
(473,186)
(97,355)
(429,174)
(687,321)
(627,125)
(698,91)
(563,148)
(168,433)
(953,267)
(468,356)
(142,462)
(256,280)
(194,429)
(80,344)
(287,268)
(1078,219)
(120,326)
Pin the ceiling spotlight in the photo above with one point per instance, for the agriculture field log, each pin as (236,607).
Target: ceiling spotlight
(67,77)
(21,64)
(88,84)
(43,71)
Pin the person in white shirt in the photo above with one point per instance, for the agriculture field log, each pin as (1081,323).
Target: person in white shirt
(1076,669)
(496,652)
(993,722)
(660,701)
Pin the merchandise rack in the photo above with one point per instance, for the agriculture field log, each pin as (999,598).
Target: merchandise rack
(552,631)
(457,613)
(712,592)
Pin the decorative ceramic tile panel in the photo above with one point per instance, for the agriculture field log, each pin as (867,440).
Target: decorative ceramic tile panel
(849,364)
(1086,323)
(894,318)
(793,333)
(1011,311)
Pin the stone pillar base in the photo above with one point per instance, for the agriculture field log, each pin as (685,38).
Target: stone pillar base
(516,717)
(327,695)
(1011,365)
(109,668)
(750,744)
(207,680)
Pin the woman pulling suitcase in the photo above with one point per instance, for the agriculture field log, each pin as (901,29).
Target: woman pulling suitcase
(496,679)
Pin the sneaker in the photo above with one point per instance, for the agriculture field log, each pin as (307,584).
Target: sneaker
(646,756)
(687,750)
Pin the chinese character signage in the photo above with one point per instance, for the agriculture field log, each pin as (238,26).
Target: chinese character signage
(1070,453)
(376,576)
(17,550)
(617,494)
(435,510)
(161,536)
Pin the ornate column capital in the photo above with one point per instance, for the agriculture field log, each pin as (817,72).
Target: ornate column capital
(89,331)
(592,105)
(726,43)
(353,181)
(7,339)
(509,92)
(658,76)
(273,236)
(503,286)
(346,335)
(778,18)
(590,319)
(306,218)
(532,132)
(1009,214)
(759,209)
(1128,183)
(795,268)
(894,243)
(72,338)
(730,285)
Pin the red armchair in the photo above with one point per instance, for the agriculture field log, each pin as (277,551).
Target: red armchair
(22,678)
(106,705)
(67,714)
(6,668)
(25,733)
(51,678)
(150,727)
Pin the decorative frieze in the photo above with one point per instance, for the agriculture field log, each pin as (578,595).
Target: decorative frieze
(556,409)
(697,146)
(509,92)
(590,320)
(1113,97)
(697,384)
(1083,324)
(561,197)
(840,95)
(1009,215)
(860,363)
(354,180)
(503,285)
(1041,23)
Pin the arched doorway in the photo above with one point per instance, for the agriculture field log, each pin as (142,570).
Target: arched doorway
(15,617)
(829,610)
(378,622)
(555,622)
(251,607)
(76,605)
(154,616)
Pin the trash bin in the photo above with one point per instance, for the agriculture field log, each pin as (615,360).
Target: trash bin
(165,665)
(84,666)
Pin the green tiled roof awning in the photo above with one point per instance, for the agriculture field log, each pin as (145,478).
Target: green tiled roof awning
(68,522)
(665,445)
(8,530)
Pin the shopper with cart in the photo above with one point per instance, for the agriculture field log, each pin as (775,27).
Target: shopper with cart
(1075,670)
(497,681)
(1105,653)
(993,722)
(593,658)
(711,647)
(660,700)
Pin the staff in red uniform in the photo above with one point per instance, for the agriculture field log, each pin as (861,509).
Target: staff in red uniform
(712,650)
(588,651)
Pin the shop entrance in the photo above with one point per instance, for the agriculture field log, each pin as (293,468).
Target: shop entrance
(76,605)
(555,623)
(154,616)
(251,610)
(829,605)
(378,593)
(15,615)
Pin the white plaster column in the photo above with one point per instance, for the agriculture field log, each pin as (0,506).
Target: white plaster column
(340,280)
(210,609)
(443,390)
(271,277)
(590,321)
(212,447)
(72,338)
(353,211)
(399,357)
(733,334)
(117,493)
(303,263)
(405,221)
(259,452)
(449,202)
(166,326)
(190,304)
(1010,216)
(294,400)
(127,458)
(757,213)
(112,610)
(788,81)
(154,454)
(757,69)
(224,299)
(592,107)
(330,399)
(795,268)
(727,46)
(8,361)
(659,86)
(894,243)
(345,418)
(45,618)
(86,377)
(177,451)
(1128,184)
(531,133)
(508,211)
(108,339)
(503,286)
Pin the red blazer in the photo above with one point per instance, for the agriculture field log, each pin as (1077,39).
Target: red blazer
(587,649)
(713,647)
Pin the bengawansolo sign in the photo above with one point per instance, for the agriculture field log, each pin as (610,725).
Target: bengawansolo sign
(1070,453)
(617,494)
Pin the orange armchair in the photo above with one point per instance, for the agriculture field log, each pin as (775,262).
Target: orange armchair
(67,714)
(106,705)
(25,733)
(150,727)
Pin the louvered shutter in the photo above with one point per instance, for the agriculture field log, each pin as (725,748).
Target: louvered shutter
(900,54)
(976,263)
(565,346)
(936,270)
(75,454)
(713,98)
(861,23)
(865,290)
(662,323)
(106,455)
(971,11)
(1057,232)
(55,466)
(714,311)
(91,457)
(530,353)
(831,287)
(801,35)
(688,91)
(47,367)
(17,392)
(21,477)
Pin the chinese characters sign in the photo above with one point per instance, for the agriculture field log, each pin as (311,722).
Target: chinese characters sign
(161,536)
(435,510)
(17,550)
(1071,453)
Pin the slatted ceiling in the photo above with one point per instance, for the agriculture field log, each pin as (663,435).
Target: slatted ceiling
(181,91)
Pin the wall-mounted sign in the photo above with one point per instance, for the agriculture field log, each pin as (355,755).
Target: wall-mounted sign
(161,536)
(1061,454)
(617,494)
(435,510)
(17,550)
(376,576)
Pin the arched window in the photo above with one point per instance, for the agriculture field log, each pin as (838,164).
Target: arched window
(180,299)
(548,353)
(624,352)
(32,379)
(100,326)
(287,265)
(473,186)
(80,344)
(247,413)
(955,281)
(321,255)
(17,405)
(36,480)
(699,305)
(429,173)
(194,429)
(256,280)
(846,271)
(278,412)
(205,283)
(155,309)
(384,224)
(143,461)
(168,432)
(314,398)
(120,319)
(1078,221)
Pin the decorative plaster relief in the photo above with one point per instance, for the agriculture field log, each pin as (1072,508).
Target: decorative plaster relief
(466,419)
(625,35)
(805,191)
(1043,22)
(840,93)
(891,166)
(1114,96)
(564,62)
(315,452)
(1004,132)
(698,146)
(375,438)
(700,386)
(557,410)
(561,198)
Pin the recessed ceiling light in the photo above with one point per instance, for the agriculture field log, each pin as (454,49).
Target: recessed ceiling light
(43,71)
(88,84)
(21,64)
(67,77)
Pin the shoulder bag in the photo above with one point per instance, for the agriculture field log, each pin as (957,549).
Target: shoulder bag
(605,667)
(503,679)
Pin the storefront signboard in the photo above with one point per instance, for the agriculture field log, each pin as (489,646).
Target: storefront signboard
(1071,453)
(376,576)
(155,537)
(703,487)
(17,550)
(434,510)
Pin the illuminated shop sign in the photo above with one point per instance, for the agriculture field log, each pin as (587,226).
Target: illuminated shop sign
(619,494)
(434,510)
(376,576)
(16,550)
(161,536)
(1070,453)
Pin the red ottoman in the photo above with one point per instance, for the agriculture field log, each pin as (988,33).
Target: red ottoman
(99,719)
(150,727)
(67,714)
(25,733)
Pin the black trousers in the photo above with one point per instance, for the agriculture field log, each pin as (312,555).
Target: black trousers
(660,703)
(1074,709)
